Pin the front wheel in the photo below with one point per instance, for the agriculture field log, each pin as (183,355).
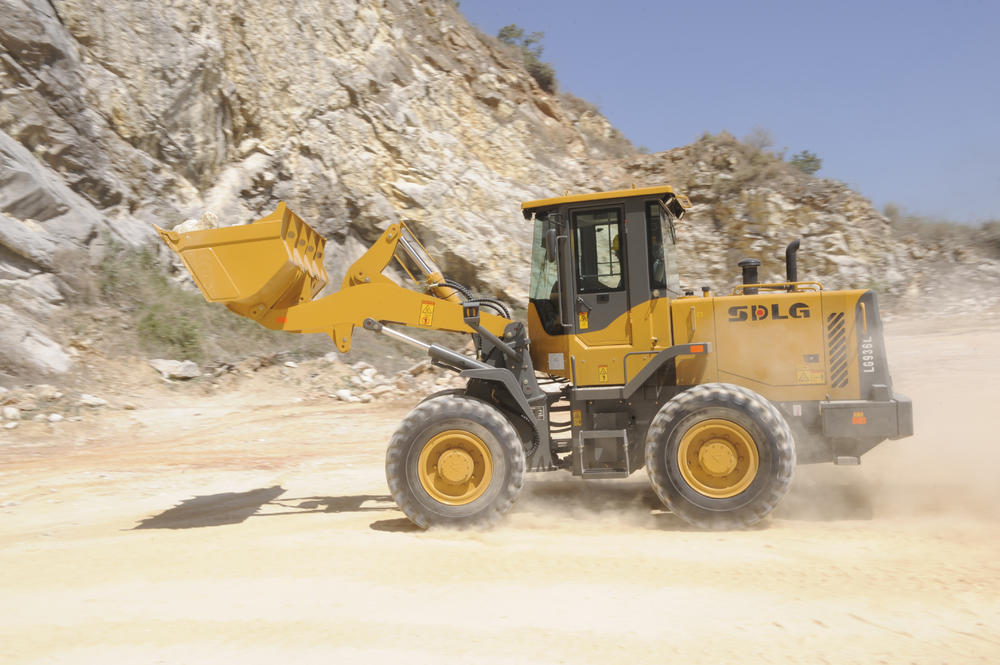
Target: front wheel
(720,456)
(455,461)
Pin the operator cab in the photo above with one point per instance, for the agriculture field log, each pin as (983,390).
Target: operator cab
(600,262)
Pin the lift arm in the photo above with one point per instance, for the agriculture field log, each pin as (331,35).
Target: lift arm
(272,270)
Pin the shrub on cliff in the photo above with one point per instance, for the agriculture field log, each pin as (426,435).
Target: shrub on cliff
(807,162)
(530,48)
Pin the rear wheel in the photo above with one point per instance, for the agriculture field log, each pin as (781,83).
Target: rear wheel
(455,461)
(720,456)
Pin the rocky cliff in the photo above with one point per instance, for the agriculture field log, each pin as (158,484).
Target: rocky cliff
(125,113)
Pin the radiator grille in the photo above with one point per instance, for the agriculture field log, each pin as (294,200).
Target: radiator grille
(836,336)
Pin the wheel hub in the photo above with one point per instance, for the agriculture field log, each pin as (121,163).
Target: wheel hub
(718,458)
(455,467)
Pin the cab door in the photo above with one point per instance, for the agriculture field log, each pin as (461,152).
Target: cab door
(601,301)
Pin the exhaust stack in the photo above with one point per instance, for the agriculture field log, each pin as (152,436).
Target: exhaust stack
(791,262)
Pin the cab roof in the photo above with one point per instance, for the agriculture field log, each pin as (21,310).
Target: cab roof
(597,196)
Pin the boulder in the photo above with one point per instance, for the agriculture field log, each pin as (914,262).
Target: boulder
(24,344)
(176,369)
(345,395)
(91,400)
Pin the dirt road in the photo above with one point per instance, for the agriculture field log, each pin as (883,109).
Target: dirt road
(246,528)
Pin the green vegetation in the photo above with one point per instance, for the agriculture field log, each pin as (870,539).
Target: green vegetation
(159,327)
(753,160)
(170,321)
(530,48)
(165,316)
(806,161)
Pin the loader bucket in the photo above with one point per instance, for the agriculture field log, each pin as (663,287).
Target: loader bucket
(274,263)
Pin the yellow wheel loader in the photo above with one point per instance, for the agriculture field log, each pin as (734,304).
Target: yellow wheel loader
(617,367)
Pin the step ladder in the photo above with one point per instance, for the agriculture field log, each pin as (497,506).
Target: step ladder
(595,467)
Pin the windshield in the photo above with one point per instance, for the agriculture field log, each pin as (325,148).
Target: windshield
(662,250)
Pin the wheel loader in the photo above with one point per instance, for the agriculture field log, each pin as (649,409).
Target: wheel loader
(616,368)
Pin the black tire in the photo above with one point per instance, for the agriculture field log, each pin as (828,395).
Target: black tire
(469,418)
(685,426)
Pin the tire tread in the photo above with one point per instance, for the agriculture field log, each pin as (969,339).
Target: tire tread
(757,408)
(453,406)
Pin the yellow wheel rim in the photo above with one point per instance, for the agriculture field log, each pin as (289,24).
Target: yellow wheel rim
(718,458)
(455,467)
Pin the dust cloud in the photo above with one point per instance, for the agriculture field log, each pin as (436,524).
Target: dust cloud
(950,468)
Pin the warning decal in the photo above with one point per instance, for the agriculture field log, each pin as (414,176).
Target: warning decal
(602,373)
(810,376)
(584,320)
(426,313)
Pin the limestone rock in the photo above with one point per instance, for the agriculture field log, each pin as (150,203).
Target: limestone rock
(176,369)
(48,392)
(87,399)
(22,344)
(345,395)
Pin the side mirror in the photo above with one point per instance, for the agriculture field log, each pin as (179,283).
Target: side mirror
(550,245)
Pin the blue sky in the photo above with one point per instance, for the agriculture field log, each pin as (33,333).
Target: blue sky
(901,100)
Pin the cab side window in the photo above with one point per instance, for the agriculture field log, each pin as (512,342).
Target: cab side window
(657,265)
(599,250)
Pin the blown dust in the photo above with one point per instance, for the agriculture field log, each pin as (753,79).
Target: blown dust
(244,527)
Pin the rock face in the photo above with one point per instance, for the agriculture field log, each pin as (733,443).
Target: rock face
(750,203)
(120,114)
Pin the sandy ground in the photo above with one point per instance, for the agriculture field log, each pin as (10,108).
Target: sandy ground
(243,527)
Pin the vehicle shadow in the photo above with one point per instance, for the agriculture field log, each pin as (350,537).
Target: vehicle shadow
(236,507)
(399,525)
(358,503)
(212,509)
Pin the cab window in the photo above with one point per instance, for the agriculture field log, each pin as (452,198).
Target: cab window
(662,250)
(599,249)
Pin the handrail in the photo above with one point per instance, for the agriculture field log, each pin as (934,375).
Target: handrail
(789,287)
